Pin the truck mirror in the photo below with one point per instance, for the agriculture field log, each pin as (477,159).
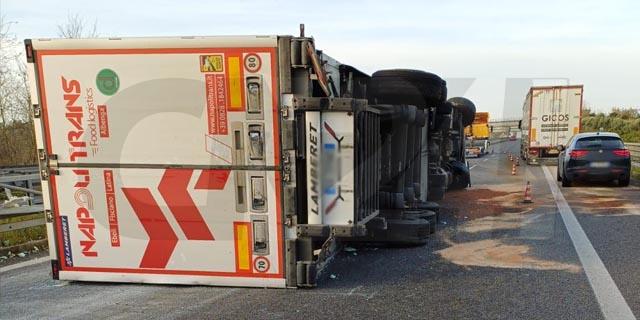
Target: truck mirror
(520,124)
(560,147)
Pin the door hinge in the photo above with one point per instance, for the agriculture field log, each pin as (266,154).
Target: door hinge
(51,166)
(36,111)
(284,111)
(44,174)
(48,214)
(286,161)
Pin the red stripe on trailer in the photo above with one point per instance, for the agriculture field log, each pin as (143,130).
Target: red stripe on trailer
(212,179)
(162,239)
(331,205)
(331,132)
(173,188)
(276,148)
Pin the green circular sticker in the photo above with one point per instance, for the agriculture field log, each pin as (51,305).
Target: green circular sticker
(107,82)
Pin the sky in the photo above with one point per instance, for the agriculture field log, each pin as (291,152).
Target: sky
(488,51)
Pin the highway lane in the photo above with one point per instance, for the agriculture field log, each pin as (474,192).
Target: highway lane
(493,258)
(610,217)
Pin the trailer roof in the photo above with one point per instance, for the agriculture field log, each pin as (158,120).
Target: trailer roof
(574,86)
(154,42)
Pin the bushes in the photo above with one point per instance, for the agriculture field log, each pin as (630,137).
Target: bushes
(625,122)
(17,144)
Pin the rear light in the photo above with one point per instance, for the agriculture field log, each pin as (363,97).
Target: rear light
(623,153)
(533,151)
(576,154)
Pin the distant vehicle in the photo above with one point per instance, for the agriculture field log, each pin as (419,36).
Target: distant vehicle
(477,134)
(476,148)
(512,136)
(594,156)
(479,129)
(551,115)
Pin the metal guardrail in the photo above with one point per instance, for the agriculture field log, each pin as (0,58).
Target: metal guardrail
(635,153)
(25,179)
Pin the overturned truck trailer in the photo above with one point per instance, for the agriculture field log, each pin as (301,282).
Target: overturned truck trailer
(235,161)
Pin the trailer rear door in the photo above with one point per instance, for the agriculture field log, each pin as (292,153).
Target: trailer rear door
(164,157)
(555,115)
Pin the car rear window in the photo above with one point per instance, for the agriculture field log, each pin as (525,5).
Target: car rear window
(599,143)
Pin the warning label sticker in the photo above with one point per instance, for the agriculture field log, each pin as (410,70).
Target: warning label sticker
(211,63)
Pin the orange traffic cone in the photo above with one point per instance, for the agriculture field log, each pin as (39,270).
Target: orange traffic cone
(527,194)
(513,169)
(517,161)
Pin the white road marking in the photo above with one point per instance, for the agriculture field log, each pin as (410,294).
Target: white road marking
(473,166)
(485,160)
(612,303)
(25,264)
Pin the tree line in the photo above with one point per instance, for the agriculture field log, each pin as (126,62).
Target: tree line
(17,137)
(623,121)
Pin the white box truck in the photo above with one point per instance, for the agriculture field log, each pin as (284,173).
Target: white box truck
(551,115)
(234,161)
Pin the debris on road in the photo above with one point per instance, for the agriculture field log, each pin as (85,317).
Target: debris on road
(481,201)
(494,253)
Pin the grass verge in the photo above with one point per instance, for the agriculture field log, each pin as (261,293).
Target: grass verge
(15,237)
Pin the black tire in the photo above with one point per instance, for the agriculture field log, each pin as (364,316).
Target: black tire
(408,232)
(423,214)
(445,108)
(465,107)
(461,176)
(404,86)
(624,182)
(558,174)
(437,186)
(431,206)
(565,181)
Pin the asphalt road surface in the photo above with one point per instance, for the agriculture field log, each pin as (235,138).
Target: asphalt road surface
(492,258)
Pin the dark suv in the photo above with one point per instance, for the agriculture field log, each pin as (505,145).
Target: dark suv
(594,156)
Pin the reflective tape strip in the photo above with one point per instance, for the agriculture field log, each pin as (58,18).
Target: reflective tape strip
(235,79)
(242,238)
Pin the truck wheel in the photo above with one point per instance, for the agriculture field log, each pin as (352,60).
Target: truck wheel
(445,108)
(423,214)
(404,86)
(431,206)
(411,232)
(465,107)
(461,176)
(437,186)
